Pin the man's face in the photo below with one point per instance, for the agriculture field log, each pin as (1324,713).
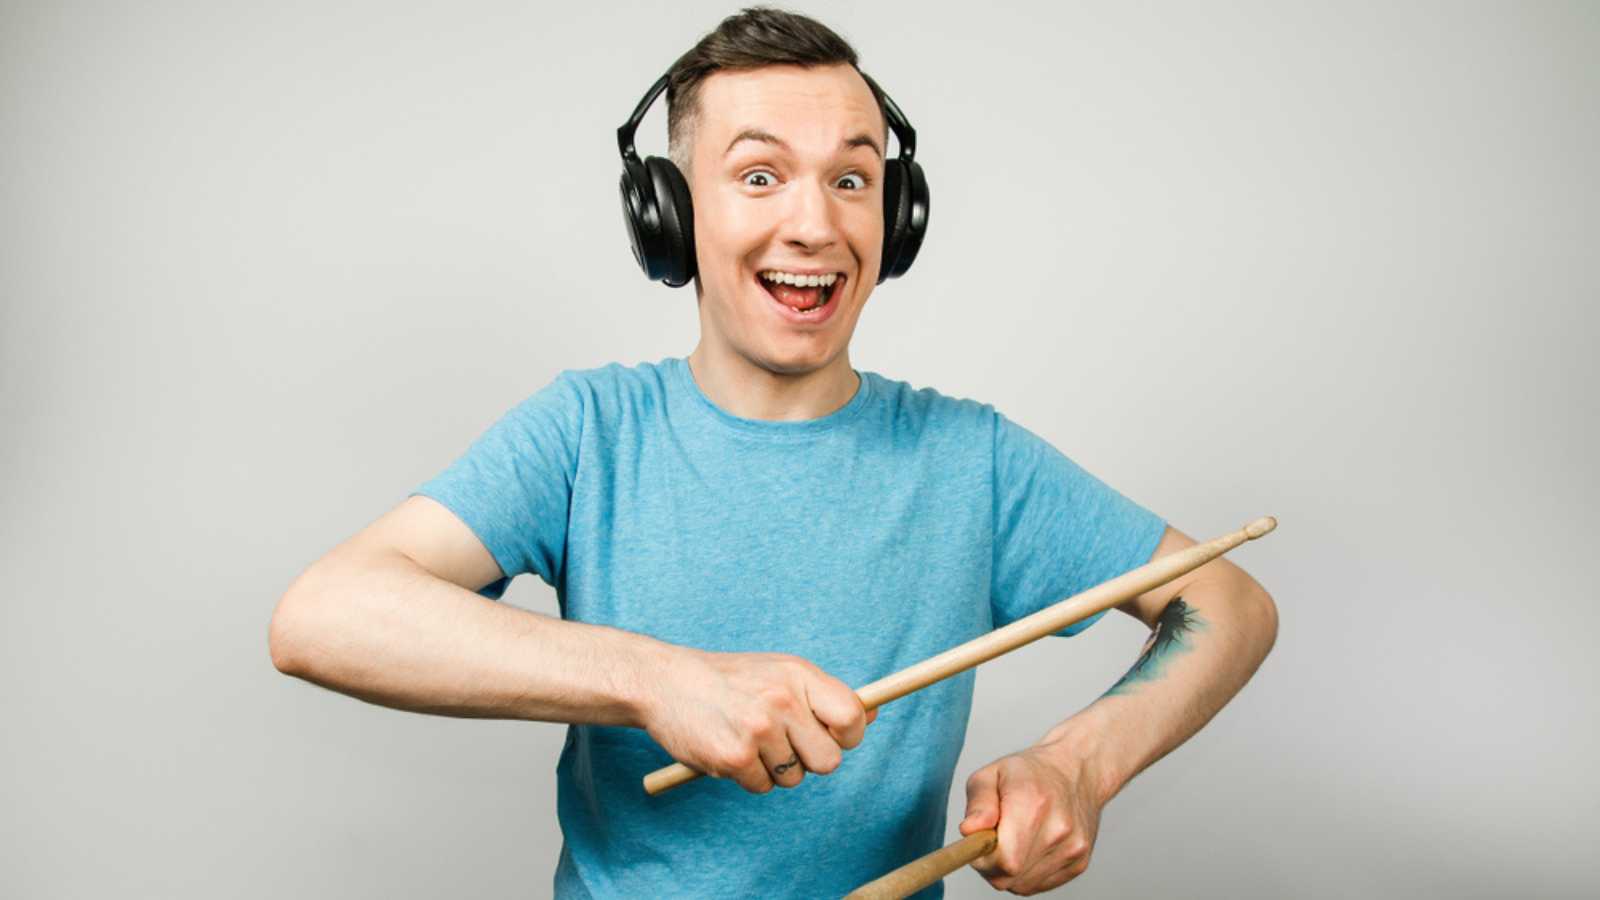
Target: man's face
(787,184)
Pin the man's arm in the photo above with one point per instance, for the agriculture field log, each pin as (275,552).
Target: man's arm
(1211,629)
(392,616)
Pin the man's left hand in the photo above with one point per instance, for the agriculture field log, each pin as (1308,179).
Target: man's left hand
(1046,813)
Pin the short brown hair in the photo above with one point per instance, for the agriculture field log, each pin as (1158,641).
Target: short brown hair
(752,38)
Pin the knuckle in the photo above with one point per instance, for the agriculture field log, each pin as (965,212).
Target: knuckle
(739,758)
(777,696)
(1077,847)
(1056,829)
(758,724)
(799,666)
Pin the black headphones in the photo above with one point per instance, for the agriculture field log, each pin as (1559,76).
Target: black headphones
(660,218)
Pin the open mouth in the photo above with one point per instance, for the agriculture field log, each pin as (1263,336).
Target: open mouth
(808,295)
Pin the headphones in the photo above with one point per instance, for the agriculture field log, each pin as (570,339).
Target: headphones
(660,218)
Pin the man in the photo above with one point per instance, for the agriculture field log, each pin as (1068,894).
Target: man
(738,537)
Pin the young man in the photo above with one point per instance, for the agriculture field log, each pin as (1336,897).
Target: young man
(738,537)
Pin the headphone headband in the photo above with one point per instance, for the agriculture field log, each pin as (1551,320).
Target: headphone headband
(903,132)
(625,133)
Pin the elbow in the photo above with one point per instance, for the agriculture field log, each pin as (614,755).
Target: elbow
(1267,618)
(281,637)
(293,627)
(1255,612)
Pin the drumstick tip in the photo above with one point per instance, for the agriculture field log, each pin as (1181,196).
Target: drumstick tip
(1260,527)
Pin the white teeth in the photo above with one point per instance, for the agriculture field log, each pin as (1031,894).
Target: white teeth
(801,280)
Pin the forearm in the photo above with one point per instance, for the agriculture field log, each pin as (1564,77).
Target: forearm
(385,630)
(1200,657)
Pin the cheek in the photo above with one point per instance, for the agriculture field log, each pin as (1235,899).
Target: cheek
(726,232)
(864,225)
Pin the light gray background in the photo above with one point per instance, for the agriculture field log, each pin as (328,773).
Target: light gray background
(267,267)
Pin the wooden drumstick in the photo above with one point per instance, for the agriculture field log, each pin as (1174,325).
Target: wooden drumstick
(923,871)
(1026,630)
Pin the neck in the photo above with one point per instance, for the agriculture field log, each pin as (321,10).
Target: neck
(741,387)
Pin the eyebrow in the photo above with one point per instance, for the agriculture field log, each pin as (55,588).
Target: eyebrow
(766,137)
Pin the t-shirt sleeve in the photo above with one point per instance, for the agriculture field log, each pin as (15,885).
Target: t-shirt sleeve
(513,485)
(1058,529)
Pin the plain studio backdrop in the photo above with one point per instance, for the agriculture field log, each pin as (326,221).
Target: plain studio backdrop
(267,267)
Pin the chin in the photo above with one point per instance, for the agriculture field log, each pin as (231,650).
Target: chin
(791,362)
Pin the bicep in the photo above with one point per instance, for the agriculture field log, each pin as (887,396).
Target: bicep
(429,534)
(1147,606)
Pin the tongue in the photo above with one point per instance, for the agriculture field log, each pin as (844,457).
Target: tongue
(796,297)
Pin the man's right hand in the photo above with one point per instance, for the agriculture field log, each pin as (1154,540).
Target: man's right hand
(746,715)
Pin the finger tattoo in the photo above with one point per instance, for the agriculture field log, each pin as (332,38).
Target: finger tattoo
(784,767)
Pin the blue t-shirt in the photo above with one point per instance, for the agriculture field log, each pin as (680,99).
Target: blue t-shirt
(902,524)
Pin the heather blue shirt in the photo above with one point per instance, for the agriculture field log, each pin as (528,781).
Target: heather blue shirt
(896,527)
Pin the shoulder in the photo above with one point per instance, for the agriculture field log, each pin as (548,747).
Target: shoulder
(925,410)
(614,385)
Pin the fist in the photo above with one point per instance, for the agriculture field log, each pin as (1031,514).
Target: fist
(761,719)
(1046,815)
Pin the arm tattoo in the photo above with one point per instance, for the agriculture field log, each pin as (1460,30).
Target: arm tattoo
(1167,641)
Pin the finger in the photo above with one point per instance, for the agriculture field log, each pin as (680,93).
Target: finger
(983,802)
(783,764)
(1019,820)
(1050,873)
(818,751)
(1068,871)
(872,716)
(753,775)
(837,708)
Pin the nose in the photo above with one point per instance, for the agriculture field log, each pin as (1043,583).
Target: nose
(809,219)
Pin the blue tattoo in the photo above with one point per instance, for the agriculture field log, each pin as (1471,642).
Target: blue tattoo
(1166,642)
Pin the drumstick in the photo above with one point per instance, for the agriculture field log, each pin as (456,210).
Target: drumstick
(923,871)
(1023,631)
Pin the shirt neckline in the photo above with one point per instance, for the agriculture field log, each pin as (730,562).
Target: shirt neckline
(792,429)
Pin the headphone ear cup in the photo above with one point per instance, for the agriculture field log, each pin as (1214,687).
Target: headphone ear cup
(896,212)
(916,212)
(677,221)
(643,218)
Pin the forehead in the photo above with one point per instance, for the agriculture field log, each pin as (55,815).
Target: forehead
(787,100)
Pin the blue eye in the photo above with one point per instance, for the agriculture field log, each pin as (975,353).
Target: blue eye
(861,182)
(766,175)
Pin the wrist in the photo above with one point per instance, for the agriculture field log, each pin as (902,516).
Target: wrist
(1086,746)
(656,664)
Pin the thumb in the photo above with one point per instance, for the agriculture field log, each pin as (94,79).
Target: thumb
(983,803)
